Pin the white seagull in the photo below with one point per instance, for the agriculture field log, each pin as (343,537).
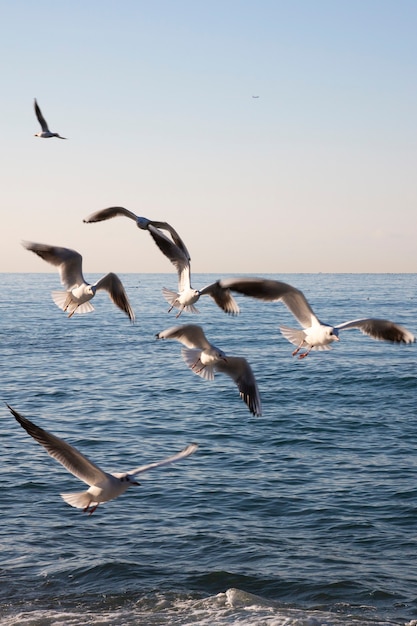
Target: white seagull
(102,486)
(142,222)
(76,298)
(187,296)
(315,334)
(204,359)
(46,133)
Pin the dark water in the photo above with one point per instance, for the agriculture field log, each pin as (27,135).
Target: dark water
(304,516)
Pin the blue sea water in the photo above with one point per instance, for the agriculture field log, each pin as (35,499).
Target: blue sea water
(305,516)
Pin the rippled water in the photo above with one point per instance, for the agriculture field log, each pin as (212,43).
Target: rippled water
(304,516)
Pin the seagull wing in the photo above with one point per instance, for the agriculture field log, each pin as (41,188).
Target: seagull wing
(114,286)
(239,369)
(190,335)
(142,222)
(41,118)
(175,254)
(384,330)
(222,297)
(69,262)
(107,214)
(273,290)
(190,449)
(175,236)
(61,451)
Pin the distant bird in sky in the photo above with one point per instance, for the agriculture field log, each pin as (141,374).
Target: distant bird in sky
(204,359)
(187,296)
(46,133)
(255,96)
(102,486)
(141,222)
(315,334)
(76,298)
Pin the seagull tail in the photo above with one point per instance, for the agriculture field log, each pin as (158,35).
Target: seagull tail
(64,301)
(79,499)
(192,358)
(293,335)
(171,297)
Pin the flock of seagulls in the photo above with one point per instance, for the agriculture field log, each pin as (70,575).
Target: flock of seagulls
(202,357)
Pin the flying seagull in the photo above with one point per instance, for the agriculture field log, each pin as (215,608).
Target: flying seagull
(102,486)
(204,359)
(141,222)
(46,133)
(187,296)
(315,334)
(76,298)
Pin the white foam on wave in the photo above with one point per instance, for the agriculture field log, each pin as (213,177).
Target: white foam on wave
(231,608)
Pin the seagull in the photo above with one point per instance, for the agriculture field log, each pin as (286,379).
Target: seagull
(76,298)
(102,486)
(185,298)
(46,133)
(315,334)
(204,359)
(142,222)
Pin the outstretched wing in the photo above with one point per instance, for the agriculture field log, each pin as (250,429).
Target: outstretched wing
(190,449)
(222,297)
(114,286)
(41,118)
(69,262)
(178,257)
(383,330)
(61,451)
(239,369)
(274,290)
(190,335)
(107,214)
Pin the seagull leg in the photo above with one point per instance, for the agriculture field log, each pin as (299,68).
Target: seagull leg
(91,511)
(296,351)
(194,365)
(304,354)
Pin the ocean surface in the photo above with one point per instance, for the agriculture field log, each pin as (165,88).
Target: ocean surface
(306,516)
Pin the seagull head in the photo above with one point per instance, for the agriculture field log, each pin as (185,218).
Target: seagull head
(127,479)
(332,334)
(221,355)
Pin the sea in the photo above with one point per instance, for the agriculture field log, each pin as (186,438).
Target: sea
(305,516)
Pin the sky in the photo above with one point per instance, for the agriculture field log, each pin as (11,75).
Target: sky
(316,174)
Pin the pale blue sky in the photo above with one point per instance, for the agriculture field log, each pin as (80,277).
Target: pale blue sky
(317,174)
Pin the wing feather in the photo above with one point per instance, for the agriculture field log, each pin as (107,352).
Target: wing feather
(114,286)
(241,372)
(383,330)
(190,449)
(75,462)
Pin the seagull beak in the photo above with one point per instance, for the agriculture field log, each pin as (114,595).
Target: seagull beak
(135,483)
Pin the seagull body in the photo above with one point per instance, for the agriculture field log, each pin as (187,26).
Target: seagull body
(102,485)
(142,222)
(46,133)
(204,359)
(315,334)
(187,296)
(76,298)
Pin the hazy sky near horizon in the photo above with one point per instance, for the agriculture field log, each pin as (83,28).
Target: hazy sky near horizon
(317,174)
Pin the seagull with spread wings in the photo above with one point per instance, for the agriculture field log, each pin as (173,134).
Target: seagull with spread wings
(45,133)
(315,335)
(186,296)
(204,359)
(76,298)
(141,222)
(102,485)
